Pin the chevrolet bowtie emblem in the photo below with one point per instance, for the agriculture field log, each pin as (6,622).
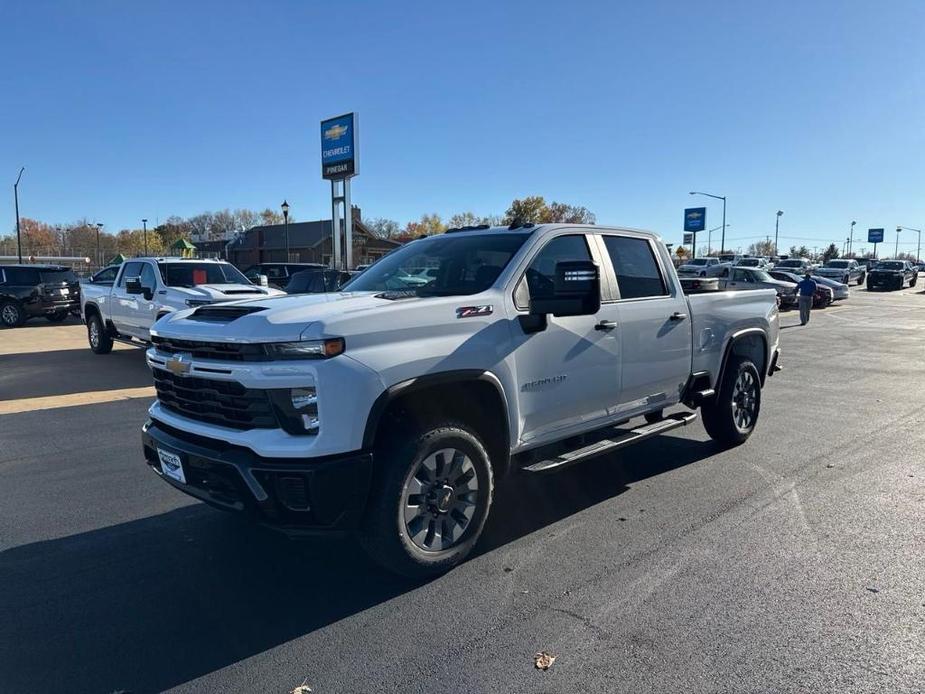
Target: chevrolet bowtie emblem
(178,367)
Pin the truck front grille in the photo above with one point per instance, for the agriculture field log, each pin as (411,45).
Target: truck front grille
(221,351)
(225,403)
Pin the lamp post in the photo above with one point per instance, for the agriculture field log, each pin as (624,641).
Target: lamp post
(144,224)
(776,229)
(722,243)
(896,249)
(710,237)
(918,249)
(851,238)
(99,254)
(16,198)
(285,207)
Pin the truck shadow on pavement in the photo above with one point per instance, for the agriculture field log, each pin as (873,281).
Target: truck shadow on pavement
(149,604)
(64,372)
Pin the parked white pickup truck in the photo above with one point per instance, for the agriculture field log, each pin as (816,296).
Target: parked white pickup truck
(392,408)
(125,305)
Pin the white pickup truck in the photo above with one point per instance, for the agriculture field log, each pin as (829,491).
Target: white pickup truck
(123,303)
(392,408)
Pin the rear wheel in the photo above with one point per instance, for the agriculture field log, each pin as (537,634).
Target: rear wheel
(915,278)
(99,339)
(731,417)
(430,500)
(57,316)
(11,314)
(861,279)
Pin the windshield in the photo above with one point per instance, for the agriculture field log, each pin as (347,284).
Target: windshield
(52,276)
(790,263)
(446,265)
(761,276)
(750,262)
(698,261)
(837,263)
(890,265)
(193,274)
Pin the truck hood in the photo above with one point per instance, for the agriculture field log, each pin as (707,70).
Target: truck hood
(307,316)
(224,292)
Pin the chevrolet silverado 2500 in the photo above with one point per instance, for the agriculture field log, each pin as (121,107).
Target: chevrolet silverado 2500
(145,289)
(392,408)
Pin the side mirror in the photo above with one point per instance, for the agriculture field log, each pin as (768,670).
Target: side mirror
(133,285)
(576,291)
(263,281)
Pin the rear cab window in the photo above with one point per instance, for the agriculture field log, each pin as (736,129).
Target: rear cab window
(636,267)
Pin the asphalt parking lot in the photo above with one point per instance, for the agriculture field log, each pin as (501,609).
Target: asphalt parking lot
(793,563)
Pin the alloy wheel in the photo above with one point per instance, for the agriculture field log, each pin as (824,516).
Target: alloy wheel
(744,401)
(439,500)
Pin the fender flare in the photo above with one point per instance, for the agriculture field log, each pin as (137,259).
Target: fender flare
(727,353)
(390,394)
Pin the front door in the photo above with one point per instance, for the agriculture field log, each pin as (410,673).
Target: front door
(568,374)
(121,302)
(654,325)
(140,311)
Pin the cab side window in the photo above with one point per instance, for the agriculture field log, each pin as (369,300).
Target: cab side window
(132,269)
(741,276)
(148,280)
(638,274)
(540,277)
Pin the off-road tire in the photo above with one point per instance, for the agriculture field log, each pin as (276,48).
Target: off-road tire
(719,414)
(384,534)
(100,341)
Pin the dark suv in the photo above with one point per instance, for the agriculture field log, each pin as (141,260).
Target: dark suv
(27,291)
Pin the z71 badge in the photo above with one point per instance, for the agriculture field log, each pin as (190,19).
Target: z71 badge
(471,311)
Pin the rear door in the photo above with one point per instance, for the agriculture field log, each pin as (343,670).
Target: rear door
(654,327)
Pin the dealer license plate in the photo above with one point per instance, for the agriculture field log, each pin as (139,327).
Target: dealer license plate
(171,465)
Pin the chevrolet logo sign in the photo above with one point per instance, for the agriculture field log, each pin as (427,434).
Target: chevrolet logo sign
(177,366)
(335,132)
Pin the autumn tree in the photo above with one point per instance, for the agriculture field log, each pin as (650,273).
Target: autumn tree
(383,228)
(535,209)
(271,216)
(427,225)
(830,253)
(760,248)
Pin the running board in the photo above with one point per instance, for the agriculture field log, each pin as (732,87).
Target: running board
(609,445)
(131,341)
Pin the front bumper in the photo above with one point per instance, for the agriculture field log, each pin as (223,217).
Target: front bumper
(306,496)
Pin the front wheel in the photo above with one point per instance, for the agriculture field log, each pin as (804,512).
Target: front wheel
(731,416)
(99,339)
(914,279)
(861,279)
(429,502)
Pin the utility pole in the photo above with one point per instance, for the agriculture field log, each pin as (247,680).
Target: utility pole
(144,223)
(16,198)
(896,250)
(851,238)
(99,254)
(776,229)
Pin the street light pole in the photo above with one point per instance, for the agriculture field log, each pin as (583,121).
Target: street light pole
(776,229)
(896,249)
(144,224)
(851,238)
(918,250)
(99,254)
(285,207)
(722,243)
(16,198)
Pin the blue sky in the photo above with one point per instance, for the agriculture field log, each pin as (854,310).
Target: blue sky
(123,110)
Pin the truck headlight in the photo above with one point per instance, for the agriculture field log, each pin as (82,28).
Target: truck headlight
(309,349)
(297,409)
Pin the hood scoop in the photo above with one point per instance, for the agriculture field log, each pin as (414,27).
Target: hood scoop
(243,291)
(396,294)
(223,314)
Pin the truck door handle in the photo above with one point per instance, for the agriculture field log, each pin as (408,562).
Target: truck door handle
(606,325)
(677,315)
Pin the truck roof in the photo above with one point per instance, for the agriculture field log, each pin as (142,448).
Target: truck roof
(542,229)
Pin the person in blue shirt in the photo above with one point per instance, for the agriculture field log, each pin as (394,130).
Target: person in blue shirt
(807,289)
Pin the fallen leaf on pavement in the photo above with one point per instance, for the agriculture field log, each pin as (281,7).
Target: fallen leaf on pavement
(302,689)
(543,660)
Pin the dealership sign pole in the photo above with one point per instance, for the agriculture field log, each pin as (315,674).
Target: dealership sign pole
(695,219)
(875,236)
(340,163)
